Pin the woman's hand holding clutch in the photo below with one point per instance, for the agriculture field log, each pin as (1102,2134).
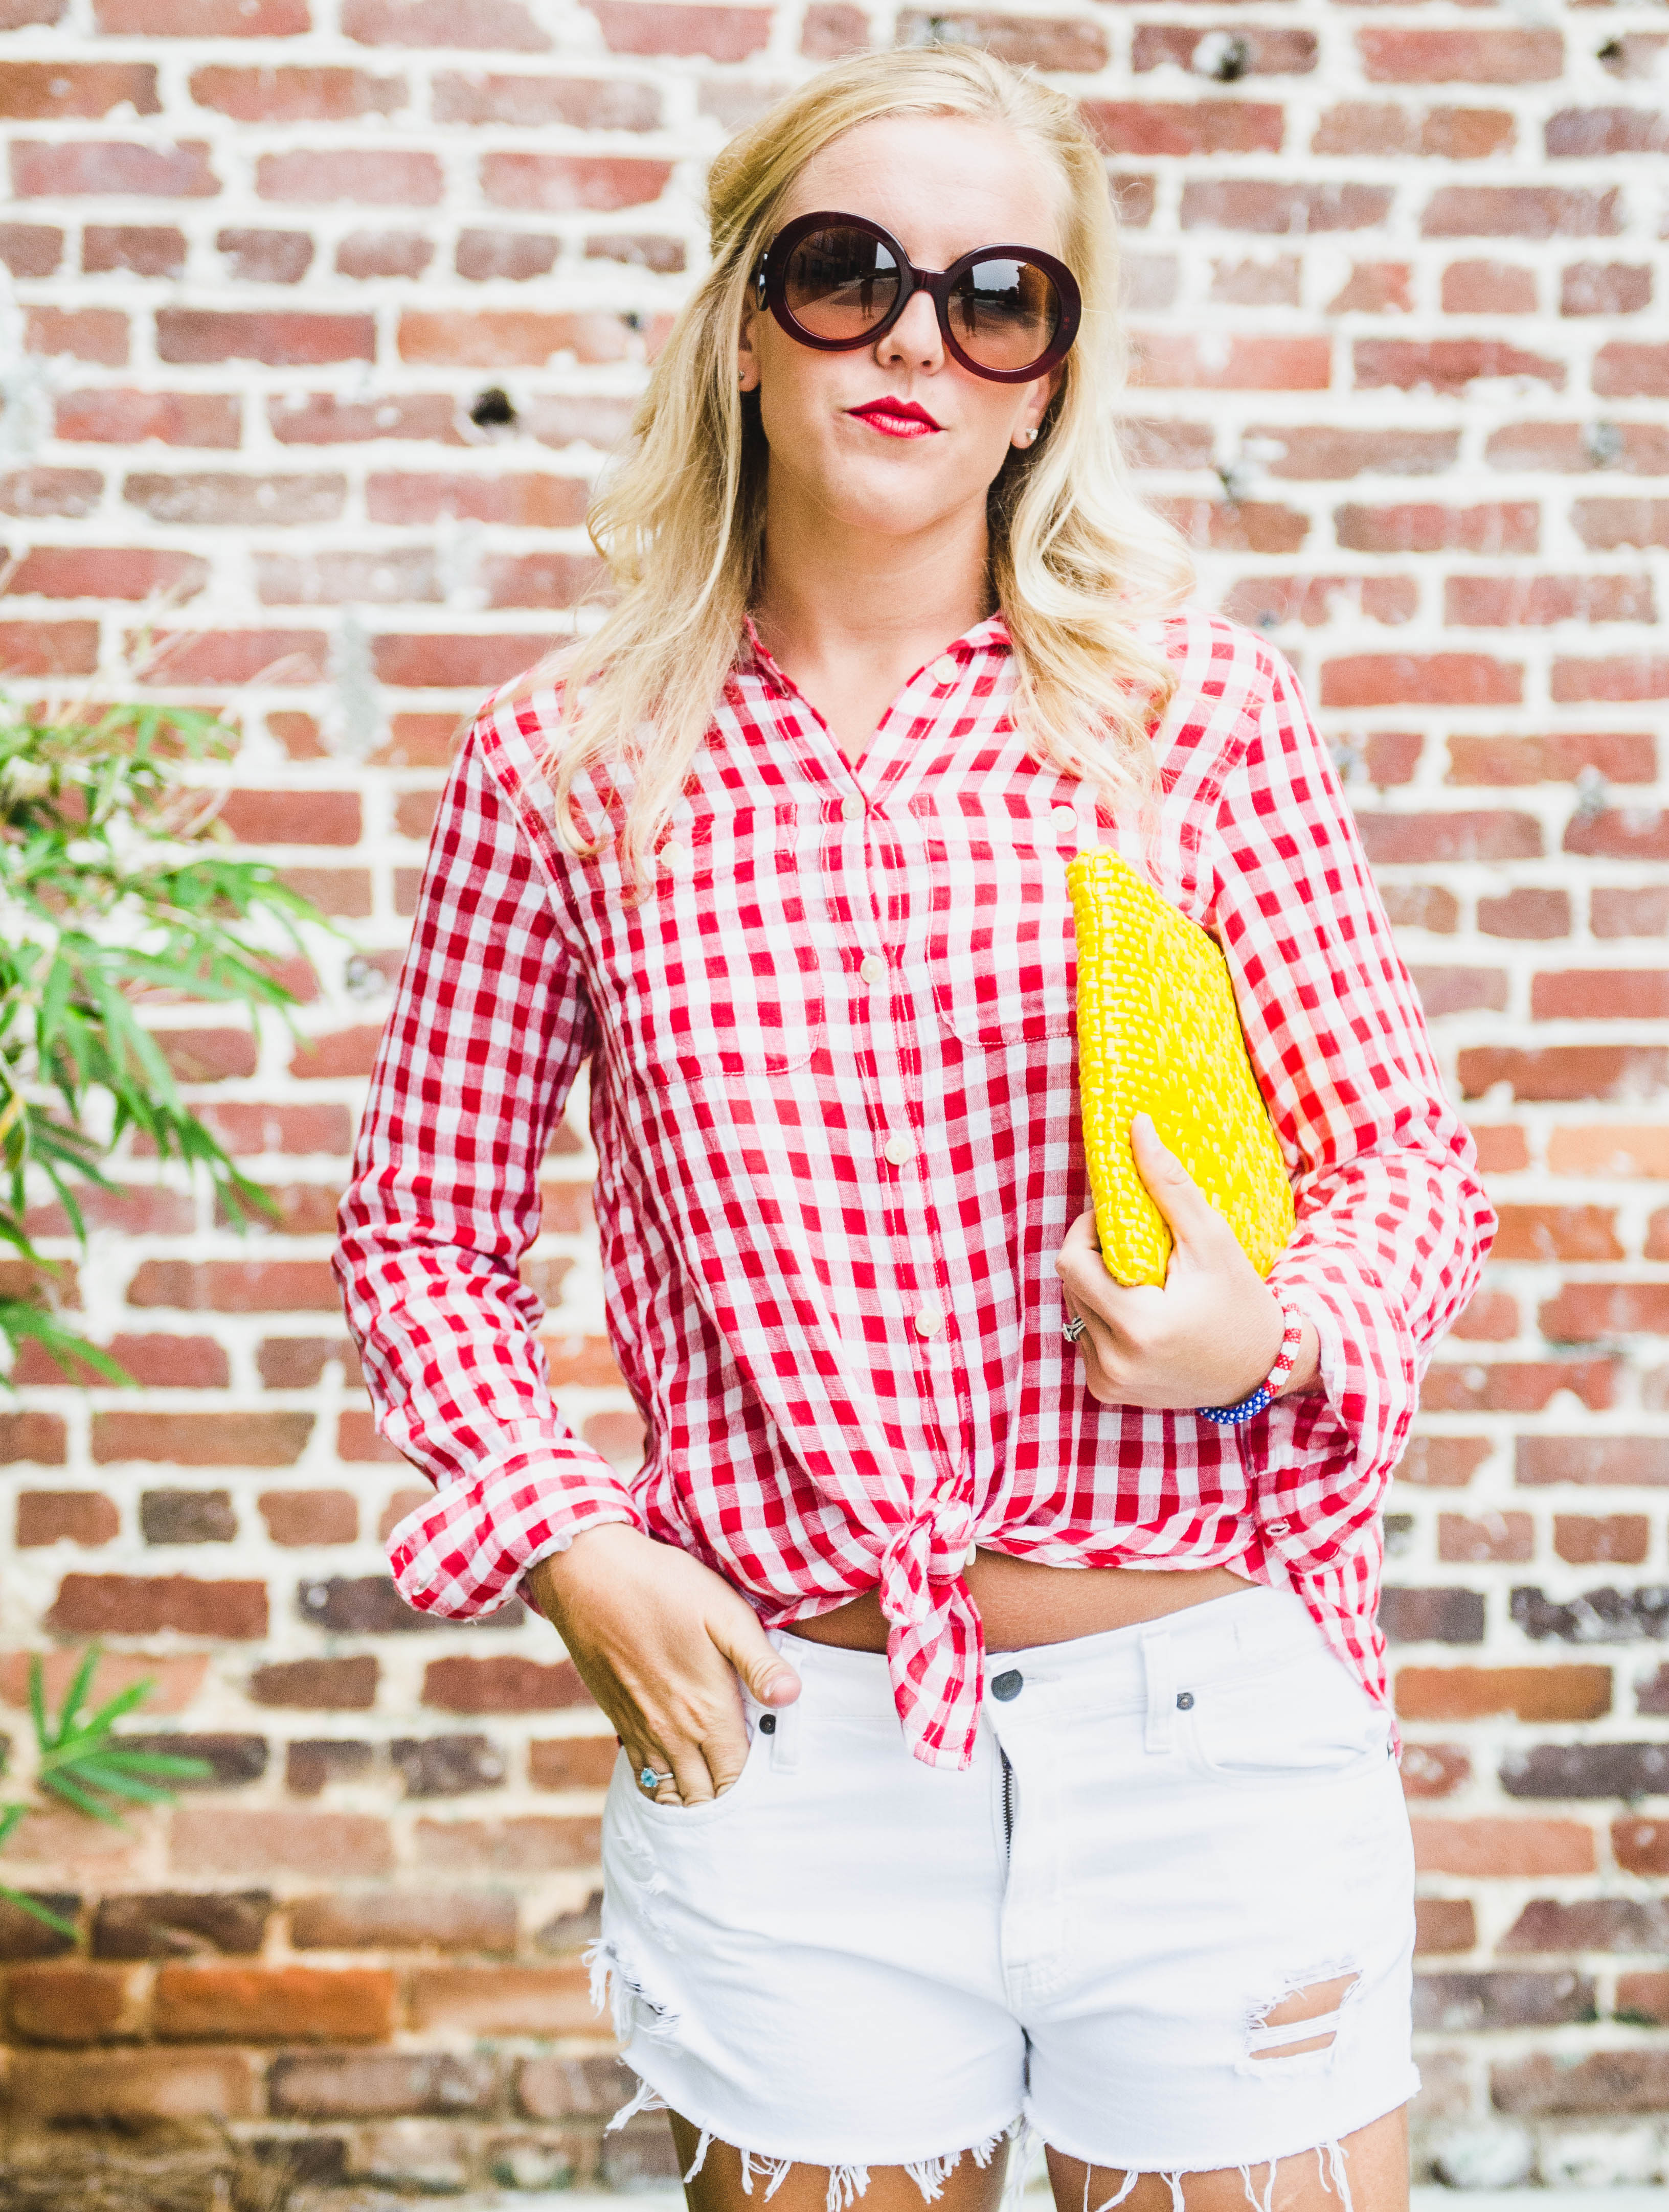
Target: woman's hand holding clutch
(1209,1337)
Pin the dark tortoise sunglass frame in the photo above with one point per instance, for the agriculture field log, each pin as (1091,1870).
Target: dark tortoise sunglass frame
(771,290)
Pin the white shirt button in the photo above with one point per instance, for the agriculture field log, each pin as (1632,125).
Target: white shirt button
(901,1151)
(872,968)
(930,1322)
(944,670)
(852,809)
(1063,818)
(676,856)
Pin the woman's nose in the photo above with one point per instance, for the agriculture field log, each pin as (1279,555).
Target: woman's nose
(915,338)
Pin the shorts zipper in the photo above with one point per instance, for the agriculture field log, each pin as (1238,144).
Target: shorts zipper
(1008,1805)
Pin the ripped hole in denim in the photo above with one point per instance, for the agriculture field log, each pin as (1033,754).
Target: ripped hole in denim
(633,2007)
(1301,2019)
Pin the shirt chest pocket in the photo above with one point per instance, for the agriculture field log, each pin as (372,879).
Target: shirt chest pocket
(998,943)
(724,976)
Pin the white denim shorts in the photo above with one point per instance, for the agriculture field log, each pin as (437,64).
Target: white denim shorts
(850,1959)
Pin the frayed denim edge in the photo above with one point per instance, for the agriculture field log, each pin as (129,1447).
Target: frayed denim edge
(847,2183)
(1331,2164)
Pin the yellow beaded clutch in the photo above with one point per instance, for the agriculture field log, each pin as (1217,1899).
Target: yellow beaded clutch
(1158,1033)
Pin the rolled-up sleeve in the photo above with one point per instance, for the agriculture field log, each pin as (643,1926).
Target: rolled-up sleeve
(489,1025)
(1393,1224)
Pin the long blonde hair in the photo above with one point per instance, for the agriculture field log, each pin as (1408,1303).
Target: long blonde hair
(1077,558)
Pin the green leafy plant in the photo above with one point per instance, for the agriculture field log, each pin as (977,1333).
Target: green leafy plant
(116,888)
(81,1760)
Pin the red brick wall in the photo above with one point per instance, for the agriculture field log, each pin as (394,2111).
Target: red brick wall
(1395,285)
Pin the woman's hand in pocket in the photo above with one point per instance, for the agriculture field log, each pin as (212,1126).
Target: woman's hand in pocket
(659,1640)
(1209,1336)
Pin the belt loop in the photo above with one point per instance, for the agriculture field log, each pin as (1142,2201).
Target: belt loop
(1160,1671)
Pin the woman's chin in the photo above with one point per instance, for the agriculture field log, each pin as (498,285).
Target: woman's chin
(885,495)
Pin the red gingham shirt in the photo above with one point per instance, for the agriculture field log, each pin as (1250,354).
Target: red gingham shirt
(834,1104)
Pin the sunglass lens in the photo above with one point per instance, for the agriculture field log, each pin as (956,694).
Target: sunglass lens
(1004,313)
(840,283)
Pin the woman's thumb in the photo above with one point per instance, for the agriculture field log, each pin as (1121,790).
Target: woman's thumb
(1188,1213)
(768,1675)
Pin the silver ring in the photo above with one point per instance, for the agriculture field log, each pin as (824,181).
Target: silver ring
(648,1779)
(1073,1329)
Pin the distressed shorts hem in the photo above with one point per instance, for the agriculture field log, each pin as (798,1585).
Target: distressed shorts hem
(1117,2162)
(916,2152)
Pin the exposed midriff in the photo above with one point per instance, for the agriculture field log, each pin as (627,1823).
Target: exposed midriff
(1023,1602)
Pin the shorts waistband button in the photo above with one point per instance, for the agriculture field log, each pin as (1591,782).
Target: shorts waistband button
(1008,1686)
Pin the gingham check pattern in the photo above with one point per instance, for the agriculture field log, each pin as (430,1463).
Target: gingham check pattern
(833,1099)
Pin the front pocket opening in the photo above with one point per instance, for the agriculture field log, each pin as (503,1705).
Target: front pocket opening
(659,1821)
(1319,1729)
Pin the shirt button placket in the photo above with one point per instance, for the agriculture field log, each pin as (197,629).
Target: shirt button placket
(898,1151)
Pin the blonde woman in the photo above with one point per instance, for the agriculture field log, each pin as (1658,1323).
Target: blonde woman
(991,1645)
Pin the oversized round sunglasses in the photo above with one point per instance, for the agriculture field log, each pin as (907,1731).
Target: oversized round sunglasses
(1008,313)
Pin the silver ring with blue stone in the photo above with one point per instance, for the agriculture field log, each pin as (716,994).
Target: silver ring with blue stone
(648,1779)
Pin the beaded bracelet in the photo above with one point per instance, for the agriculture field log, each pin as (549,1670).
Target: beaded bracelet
(1230,1417)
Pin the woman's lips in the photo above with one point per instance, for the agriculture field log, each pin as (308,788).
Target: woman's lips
(895,421)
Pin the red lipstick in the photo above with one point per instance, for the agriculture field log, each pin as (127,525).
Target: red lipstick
(897,418)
